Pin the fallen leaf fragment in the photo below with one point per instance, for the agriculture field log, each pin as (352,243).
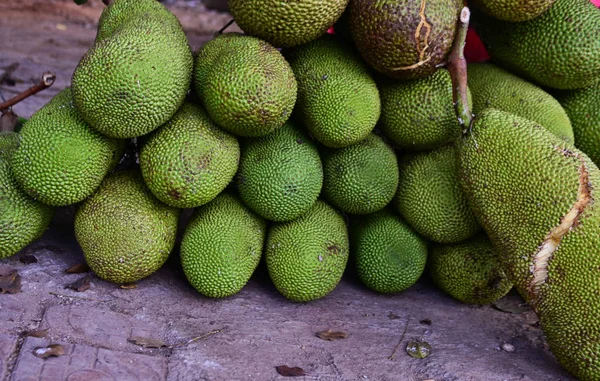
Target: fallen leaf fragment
(129,286)
(80,285)
(40,333)
(286,371)
(10,280)
(332,335)
(53,350)
(78,268)
(146,342)
(418,349)
(393,316)
(28,259)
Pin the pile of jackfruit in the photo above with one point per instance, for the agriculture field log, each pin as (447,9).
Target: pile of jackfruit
(316,151)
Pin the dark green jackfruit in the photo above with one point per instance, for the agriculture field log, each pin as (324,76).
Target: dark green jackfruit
(513,10)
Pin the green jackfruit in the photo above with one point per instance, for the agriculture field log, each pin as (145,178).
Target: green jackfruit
(404,39)
(125,233)
(338,101)
(220,265)
(559,49)
(245,84)
(468,271)
(429,197)
(61,160)
(286,24)
(362,178)
(22,219)
(583,111)
(306,257)
(419,114)
(534,194)
(513,10)
(493,87)
(388,254)
(188,161)
(280,175)
(137,74)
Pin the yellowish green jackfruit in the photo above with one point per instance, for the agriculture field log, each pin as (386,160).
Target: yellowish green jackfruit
(286,24)
(468,271)
(429,197)
(306,257)
(22,219)
(138,72)
(280,175)
(419,114)
(535,196)
(125,233)
(220,265)
(582,108)
(559,49)
(338,100)
(404,39)
(493,87)
(362,178)
(513,10)
(388,254)
(61,160)
(188,161)
(245,84)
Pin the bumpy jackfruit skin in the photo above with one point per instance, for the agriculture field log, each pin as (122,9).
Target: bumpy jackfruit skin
(280,175)
(61,160)
(493,87)
(306,257)
(22,219)
(513,10)
(419,114)
(362,178)
(404,39)
(559,49)
(249,90)
(388,254)
(338,100)
(125,233)
(286,24)
(120,12)
(582,108)
(135,78)
(468,271)
(535,195)
(220,265)
(430,198)
(188,161)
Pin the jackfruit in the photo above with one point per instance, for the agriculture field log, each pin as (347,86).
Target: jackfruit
(138,72)
(535,196)
(61,160)
(338,100)
(289,23)
(429,197)
(493,87)
(22,219)
(125,233)
(362,178)
(245,84)
(220,265)
(513,10)
(306,257)
(280,175)
(559,49)
(188,161)
(404,39)
(582,108)
(419,114)
(388,254)
(468,271)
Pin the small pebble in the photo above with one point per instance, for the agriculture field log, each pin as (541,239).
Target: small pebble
(508,347)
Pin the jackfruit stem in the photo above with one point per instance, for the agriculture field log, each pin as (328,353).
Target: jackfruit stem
(457,66)
(220,31)
(48,79)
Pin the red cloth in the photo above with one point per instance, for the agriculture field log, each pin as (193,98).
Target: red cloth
(474,49)
(596,3)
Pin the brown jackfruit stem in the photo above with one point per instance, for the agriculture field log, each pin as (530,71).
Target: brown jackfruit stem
(220,31)
(48,79)
(457,66)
